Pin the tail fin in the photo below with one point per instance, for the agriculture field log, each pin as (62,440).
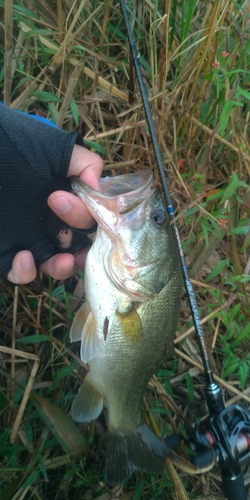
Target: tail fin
(141,450)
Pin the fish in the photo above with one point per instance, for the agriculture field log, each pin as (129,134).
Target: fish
(126,326)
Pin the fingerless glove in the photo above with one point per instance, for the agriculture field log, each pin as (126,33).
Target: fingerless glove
(34,161)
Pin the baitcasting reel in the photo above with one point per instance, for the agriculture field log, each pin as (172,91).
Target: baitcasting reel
(224,439)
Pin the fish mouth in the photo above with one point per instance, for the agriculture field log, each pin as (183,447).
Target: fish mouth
(118,196)
(126,184)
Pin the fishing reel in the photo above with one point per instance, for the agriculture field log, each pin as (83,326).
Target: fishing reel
(223,438)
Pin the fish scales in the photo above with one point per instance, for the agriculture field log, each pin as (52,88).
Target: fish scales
(127,324)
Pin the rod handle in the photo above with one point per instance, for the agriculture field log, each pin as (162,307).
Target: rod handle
(233,485)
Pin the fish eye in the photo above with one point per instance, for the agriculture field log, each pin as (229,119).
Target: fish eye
(158,218)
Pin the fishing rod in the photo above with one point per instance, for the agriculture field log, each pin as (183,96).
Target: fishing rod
(227,430)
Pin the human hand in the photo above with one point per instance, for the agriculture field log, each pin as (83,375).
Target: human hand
(70,209)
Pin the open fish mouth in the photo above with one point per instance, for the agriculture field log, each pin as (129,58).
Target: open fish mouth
(118,196)
(127,183)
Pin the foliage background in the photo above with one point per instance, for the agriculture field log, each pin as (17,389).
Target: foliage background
(69,61)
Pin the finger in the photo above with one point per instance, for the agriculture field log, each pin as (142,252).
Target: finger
(70,209)
(80,257)
(60,266)
(87,165)
(23,269)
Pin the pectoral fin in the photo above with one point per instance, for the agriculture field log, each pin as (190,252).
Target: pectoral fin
(84,329)
(130,323)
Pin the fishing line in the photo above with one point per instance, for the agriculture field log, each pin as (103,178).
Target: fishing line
(213,391)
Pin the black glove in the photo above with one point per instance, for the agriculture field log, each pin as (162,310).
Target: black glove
(34,162)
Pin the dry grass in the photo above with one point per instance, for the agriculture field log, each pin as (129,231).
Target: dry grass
(69,61)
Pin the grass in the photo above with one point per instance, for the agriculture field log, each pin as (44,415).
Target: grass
(70,62)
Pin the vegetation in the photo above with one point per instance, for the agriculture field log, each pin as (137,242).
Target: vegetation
(69,61)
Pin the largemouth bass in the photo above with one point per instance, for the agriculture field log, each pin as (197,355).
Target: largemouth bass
(127,324)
